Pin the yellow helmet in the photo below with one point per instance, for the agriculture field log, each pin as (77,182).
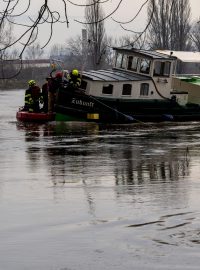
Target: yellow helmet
(75,72)
(31,83)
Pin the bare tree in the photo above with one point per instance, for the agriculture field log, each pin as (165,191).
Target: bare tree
(96,34)
(16,11)
(9,66)
(34,51)
(6,37)
(74,45)
(6,34)
(58,51)
(195,34)
(170,24)
(79,52)
(74,56)
(132,39)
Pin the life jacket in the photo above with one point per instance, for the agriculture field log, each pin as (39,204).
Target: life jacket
(74,80)
(32,98)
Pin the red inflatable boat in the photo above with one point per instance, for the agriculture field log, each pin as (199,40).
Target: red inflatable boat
(25,116)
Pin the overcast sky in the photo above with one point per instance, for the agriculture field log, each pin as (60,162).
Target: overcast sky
(127,10)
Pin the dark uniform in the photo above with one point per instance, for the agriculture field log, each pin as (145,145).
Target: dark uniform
(54,85)
(32,97)
(74,79)
(45,92)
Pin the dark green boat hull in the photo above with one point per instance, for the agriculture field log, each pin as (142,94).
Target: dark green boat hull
(77,106)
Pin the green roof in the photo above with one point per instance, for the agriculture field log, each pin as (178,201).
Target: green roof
(192,79)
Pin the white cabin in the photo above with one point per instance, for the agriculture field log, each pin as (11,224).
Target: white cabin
(136,74)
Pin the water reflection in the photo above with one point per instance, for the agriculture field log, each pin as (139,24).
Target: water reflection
(137,165)
(74,152)
(130,165)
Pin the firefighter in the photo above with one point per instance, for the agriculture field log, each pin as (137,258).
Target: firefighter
(54,84)
(45,93)
(33,97)
(74,79)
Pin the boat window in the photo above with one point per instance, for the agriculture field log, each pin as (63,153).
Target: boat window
(126,91)
(132,63)
(145,65)
(124,60)
(144,89)
(167,69)
(119,59)
(83,85)
(107,89)
(162,68)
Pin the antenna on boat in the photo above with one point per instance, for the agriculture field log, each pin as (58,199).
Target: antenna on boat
(56,64)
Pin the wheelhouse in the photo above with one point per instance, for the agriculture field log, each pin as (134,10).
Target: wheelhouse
(150,63)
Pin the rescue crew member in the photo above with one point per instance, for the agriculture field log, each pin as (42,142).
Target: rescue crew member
(45,93)
(74,79)
(54,84)
(32,97)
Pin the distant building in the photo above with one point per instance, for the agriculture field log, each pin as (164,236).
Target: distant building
(36,63)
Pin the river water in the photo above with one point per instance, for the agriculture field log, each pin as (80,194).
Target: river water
(80,196)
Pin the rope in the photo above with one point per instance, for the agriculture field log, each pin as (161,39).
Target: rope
(129,117)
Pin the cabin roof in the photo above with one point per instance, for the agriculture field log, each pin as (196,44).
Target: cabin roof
(147,53)
(184,56)
(113,75)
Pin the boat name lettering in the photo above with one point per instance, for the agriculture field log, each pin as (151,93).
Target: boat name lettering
(83,103)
